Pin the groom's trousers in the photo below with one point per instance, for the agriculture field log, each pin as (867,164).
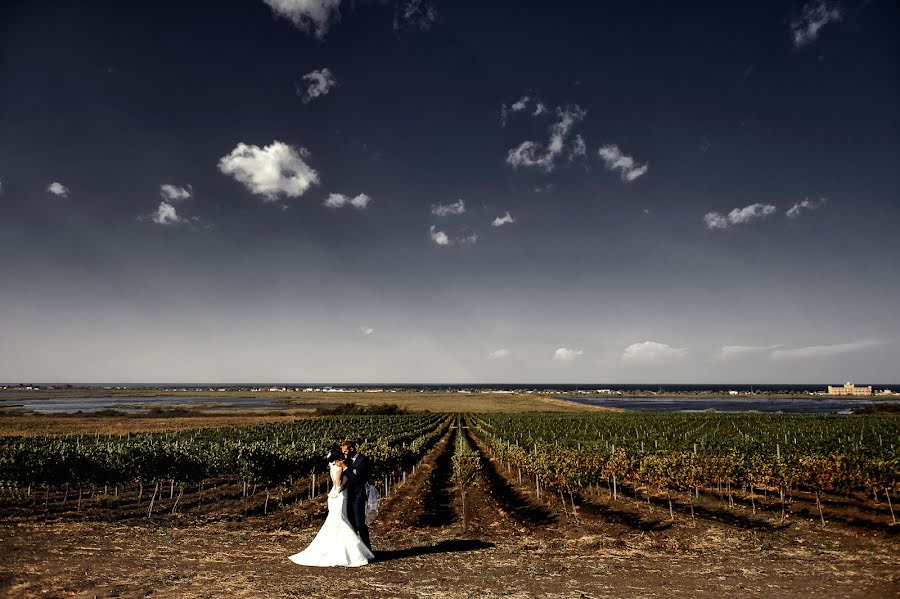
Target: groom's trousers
(356,513)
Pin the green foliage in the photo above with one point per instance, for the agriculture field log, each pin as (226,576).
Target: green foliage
(466,462)
(679,452)
(266,454)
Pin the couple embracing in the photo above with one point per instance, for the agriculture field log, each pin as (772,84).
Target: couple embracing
(343,539)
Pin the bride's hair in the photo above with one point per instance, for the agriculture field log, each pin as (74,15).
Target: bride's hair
(334,453)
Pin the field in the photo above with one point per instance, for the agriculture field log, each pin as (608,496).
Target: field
(295,405)
(577,504)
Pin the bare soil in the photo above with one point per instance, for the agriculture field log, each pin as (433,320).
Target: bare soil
(515,546)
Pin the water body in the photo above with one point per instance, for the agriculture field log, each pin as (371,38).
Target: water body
(818,405)
(68,405)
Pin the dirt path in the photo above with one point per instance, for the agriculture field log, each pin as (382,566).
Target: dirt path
(515,546)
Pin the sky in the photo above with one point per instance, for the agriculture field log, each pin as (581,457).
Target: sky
(432,191)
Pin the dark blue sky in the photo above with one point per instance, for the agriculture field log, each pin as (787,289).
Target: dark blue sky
(705,192)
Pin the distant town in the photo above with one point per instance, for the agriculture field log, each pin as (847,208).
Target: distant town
(847,389)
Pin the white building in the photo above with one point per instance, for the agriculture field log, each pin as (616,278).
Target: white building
(849,389)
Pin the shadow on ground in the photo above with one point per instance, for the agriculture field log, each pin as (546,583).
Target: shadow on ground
(436,499)
(513,501)
(450,546)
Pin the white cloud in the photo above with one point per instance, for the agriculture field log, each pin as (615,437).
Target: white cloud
(1,186)
(499,354)
(810,205)
(651,352)
(567,355)
(318,83)
(439,237)
(452,209)
(312,16)
(506,219)
(360,201)
(529,153)
(517,106)
(544,156)
(824,351)
(166,215)
(738,216)
(366,330)
(520,104)
(815,15)
(275,170)
(715,220)
(615,160)
(730,352)
(579,148)
(335,200)
(174,193)
(58,189)
(414,15)
(339,200)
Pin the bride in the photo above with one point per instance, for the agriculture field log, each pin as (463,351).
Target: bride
(336,543)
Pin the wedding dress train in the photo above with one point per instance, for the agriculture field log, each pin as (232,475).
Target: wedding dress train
(336,543)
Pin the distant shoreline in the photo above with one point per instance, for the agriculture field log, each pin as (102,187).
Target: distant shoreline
(57,392)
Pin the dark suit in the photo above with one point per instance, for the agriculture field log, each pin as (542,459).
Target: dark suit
(357,475)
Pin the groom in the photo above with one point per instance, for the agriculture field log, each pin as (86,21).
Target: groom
(357,473)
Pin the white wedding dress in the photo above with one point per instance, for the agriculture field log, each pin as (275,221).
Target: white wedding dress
(336,543)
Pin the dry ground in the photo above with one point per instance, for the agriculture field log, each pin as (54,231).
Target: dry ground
(38,424)
(515,546)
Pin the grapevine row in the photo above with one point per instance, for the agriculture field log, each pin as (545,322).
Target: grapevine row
(689,452)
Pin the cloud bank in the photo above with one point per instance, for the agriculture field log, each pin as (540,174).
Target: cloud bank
(730,352)
(499,354)
(652,352)
(565,354)
(825,351)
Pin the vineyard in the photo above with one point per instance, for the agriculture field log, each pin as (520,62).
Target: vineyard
(515,504)
(667,455)
(124,472)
